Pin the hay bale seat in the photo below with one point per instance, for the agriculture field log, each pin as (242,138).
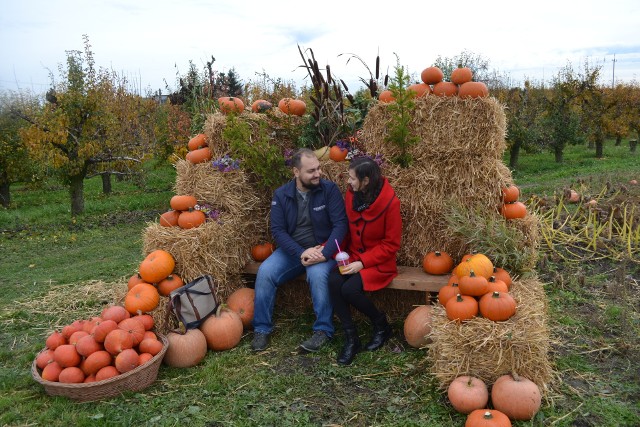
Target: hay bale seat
(485,349)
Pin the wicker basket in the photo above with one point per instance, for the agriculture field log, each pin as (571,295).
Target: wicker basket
(134,380)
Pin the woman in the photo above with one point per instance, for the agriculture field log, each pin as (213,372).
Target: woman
(373,239)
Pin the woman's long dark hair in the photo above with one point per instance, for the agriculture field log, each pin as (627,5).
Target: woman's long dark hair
(365,167)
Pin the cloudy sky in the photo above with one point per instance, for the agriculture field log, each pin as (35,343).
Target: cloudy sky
(149,42)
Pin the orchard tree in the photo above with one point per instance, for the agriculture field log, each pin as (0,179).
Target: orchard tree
(620,116)
(633,104)
(78,127)
(478,65)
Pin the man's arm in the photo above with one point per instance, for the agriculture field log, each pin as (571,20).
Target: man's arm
(279,228)
(338,217)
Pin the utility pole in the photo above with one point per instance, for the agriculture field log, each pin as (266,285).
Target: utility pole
(613,78)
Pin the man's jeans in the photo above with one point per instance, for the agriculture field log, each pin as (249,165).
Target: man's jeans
(280,268)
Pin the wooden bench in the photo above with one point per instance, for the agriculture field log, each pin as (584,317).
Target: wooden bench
(408,278)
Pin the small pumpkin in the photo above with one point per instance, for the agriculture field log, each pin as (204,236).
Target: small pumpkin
(135,327)
(169,218)
(96,361)
(115,313)
(386,96)
(183,202)
(338,154)
(127,360)
(417,326)
(185,350)
(230,104)
(461,75)
(447,292)
(445,89)
(432,75)
(51,372)
(223,330)
(197,142)
(242,302)
(170,284)
(71,375)
(134,280)
(87,345)
(502,274)
(261,251)
(517,397)
(101,331)
(479,263)
(151,346)
(572,196)
(118,340)
(513,210)
(292,106)
(106,373)
(44,358)
(497,306)
(496,285)
(510,193)
(66,355)
(473,90)
(261,106)
(437,263)
(420,89)
(473,285)
(143,298)
(461,307)
(467,393)
(54,340)
(487,418)
(156,266)
(191,219)
(199,156)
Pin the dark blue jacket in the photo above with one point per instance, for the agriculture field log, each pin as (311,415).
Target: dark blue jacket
(328,217)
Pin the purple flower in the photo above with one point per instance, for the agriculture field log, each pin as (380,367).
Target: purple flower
(226,164)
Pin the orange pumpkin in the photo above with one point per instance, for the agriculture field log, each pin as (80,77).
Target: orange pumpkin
(487,418)
(87,345)
(133,280)
(420,89)
(497,306)
(417,326)
(197,142)
(338,154)
(101,331)
(497,285)
(437,263)
(292,106)
(510,193)
(96,361)
(170,284)
(143,298)
(199,156)
(183,202)
(467,394)
(445,89)
(517,397)
(261,106)
(135,327)
(432,75)
(502,274)
(242,302)
(513,210)
(223,330)
(447,292)
(127,360)
(479,263)
(185,350)
(115,313)
(230,104)
(461,307)
(473,285)
(66,355)
(118,340)
(71,375)
(51,372)
(461,75)
(156,266)
(44,358)
(386,96)
(191,219)
(54,340)
(150,346)
(473,90)
(106,373)
(262,251)
(169,218)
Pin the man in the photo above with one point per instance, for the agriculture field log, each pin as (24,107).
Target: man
(307,218)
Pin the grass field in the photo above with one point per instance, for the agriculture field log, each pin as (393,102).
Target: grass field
(55,269)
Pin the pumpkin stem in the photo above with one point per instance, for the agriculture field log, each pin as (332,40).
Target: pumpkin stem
(487,415)
(459,298)
(437,253)
(515,376)
(472,273)
(492,279)
(496,294)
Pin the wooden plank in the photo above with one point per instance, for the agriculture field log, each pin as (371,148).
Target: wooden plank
(409,278)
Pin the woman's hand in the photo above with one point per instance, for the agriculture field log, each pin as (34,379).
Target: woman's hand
(352,268)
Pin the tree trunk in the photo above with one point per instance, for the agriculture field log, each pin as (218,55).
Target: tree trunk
(5,195)
(558,153)
(618,140)
(76,188)
(106,182)
(633,143)
(591,145)
(600,148)
(514,153)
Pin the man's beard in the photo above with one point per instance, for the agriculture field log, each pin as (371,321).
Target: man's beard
(309,185)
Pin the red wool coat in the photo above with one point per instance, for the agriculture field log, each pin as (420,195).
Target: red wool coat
(374,237)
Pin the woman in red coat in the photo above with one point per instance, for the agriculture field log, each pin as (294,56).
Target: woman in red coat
(375,228)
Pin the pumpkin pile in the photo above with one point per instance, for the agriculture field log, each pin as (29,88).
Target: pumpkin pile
(511,208)
(183,213)
(99,348)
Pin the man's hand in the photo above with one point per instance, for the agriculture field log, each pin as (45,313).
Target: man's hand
(312,256)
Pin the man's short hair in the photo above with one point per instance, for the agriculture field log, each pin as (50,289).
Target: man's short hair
(296,160)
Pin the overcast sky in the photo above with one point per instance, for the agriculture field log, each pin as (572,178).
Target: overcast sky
(150,41)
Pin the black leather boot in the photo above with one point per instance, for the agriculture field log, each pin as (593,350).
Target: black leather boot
(381,333)
(351,347)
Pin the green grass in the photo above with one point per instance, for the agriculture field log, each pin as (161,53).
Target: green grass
(45,251)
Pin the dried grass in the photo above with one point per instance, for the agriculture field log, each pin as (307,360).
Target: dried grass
(487,349)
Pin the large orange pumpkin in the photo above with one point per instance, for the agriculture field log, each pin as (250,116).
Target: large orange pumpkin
(185,350)
(183,202)
(479,263)
(467,394)
(191,219)
(338,154)
(261,251)
(197,142)
(437,263)
(223,330)
(461,75)
(242,302)
(199,156)
(420,89)
(517,397)
(417,326)
(432,75)
(230,104)
(156,266)
(292,106)
(445,89)
(473,90)
(143,298)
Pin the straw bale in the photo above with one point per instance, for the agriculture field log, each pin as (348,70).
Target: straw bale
(487,349)
(220,249)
